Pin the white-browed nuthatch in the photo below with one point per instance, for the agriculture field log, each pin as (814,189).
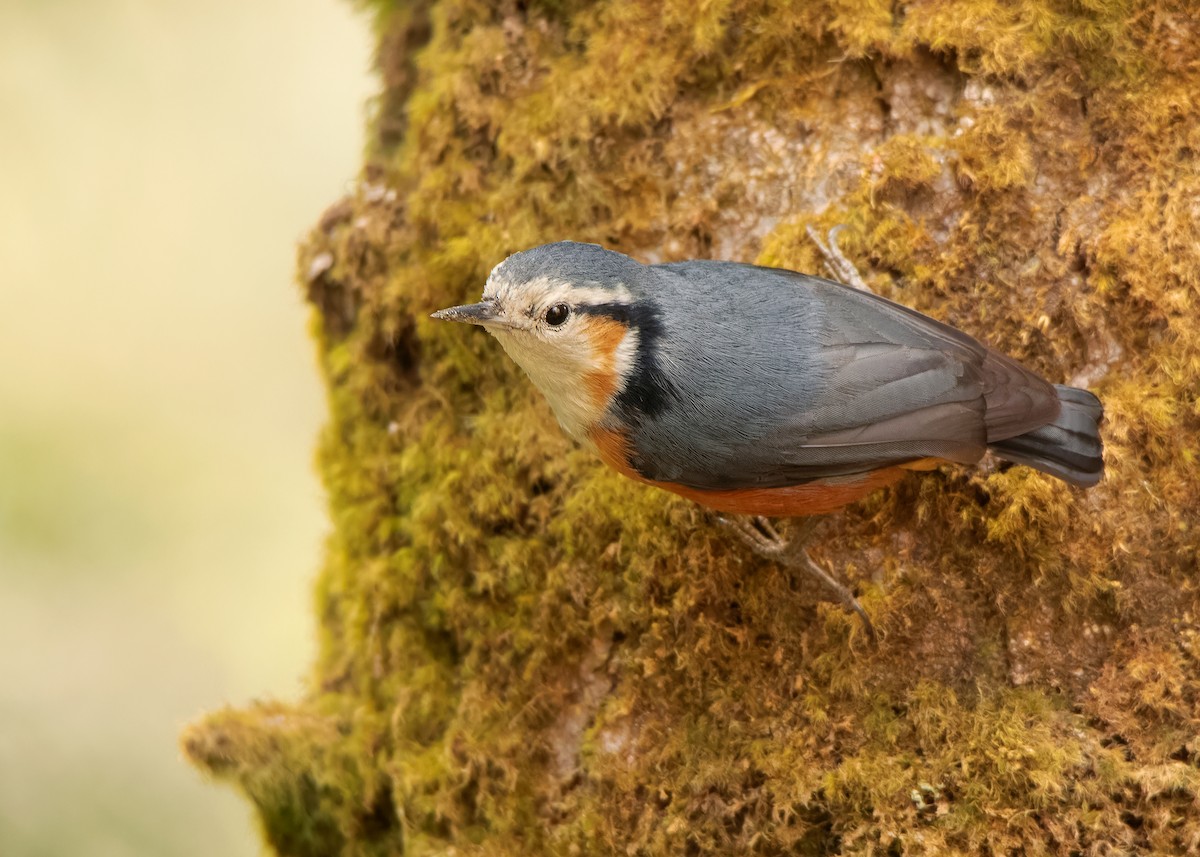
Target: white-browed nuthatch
(767,392)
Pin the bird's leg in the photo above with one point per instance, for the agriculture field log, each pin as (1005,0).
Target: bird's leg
(762,537)
(836,264)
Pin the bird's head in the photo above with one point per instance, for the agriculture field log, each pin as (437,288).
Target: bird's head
(565,313)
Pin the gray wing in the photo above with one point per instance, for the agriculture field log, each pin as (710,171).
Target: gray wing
(779,378)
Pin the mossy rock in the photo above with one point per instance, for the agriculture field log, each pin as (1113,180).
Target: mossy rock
(523,653)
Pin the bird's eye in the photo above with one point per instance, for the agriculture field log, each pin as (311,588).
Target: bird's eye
(557,314)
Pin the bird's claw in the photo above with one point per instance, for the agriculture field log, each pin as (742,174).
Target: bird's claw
(836,264)
(764,539)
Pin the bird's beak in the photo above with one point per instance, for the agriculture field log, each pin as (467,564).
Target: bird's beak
(483,312)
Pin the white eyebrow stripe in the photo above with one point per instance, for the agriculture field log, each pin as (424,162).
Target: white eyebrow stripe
(596,295)
(542,292)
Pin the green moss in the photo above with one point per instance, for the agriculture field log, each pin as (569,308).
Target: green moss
(523,653)
(312,776)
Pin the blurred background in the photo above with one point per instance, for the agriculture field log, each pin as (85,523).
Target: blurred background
(160,521)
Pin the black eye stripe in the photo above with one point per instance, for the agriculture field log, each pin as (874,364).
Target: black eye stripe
(616,311)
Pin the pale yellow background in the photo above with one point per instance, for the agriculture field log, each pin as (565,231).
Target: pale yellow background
(160,522)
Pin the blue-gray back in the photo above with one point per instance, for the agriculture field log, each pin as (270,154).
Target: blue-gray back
(770,378)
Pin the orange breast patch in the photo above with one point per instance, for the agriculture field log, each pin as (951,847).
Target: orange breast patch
(605,335)
(792,501)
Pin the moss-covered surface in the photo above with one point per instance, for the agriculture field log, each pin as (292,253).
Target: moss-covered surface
(522,653)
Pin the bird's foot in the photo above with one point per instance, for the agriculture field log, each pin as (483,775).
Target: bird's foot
(836,264)
(762,537)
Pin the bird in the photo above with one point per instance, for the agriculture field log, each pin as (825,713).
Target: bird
(766,393)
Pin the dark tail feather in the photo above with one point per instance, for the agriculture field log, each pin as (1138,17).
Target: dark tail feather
(1069,447)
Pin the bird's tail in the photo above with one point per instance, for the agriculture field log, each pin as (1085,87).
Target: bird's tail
(1070,447)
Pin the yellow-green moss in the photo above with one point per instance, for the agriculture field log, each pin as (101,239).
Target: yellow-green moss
(523,653)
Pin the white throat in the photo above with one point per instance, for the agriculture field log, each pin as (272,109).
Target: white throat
(570,378)
(559,379)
